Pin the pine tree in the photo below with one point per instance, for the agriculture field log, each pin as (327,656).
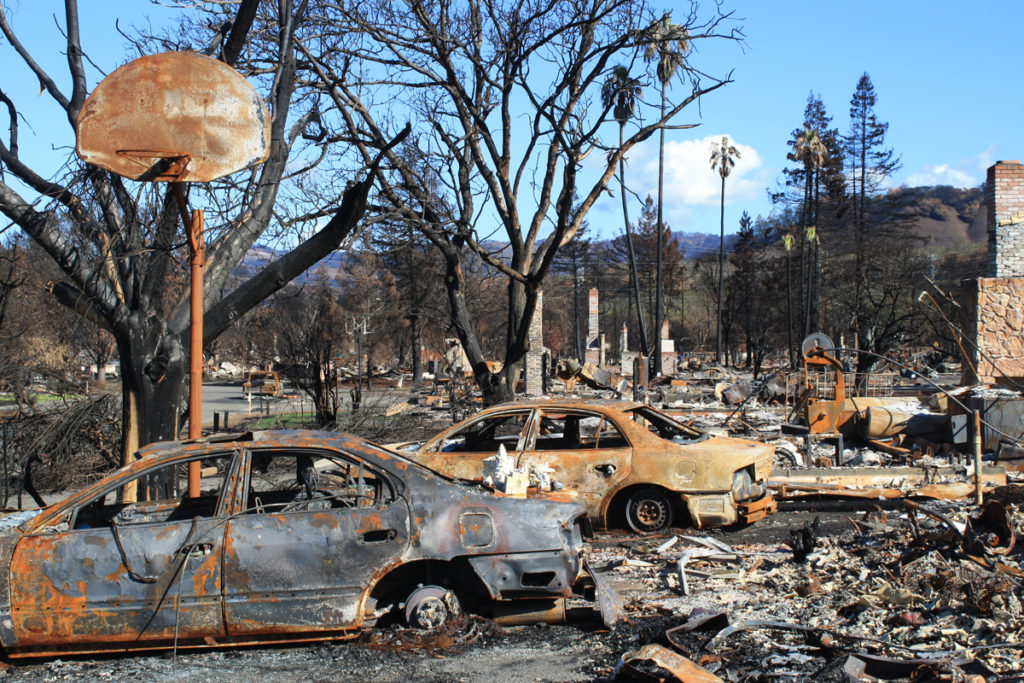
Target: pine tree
(868,164)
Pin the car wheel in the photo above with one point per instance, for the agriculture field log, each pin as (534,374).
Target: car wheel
(430,607)
(648,510)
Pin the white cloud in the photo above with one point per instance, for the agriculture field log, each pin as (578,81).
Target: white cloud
(969,172)
(690,183)
(942,174)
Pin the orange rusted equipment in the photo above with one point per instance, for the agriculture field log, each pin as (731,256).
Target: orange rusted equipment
(824,396)
(177,117)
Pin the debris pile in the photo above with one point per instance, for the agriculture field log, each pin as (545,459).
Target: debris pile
(927,593)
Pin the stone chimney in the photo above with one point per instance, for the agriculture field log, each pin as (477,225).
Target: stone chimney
(592,322)
(535,354)
(1004,195)
(994,305)
(595,345)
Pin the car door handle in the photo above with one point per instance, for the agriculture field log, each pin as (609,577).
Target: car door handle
(378,536)
(607,469)
(200,550)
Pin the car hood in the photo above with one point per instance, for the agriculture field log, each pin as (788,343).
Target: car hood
(10,522)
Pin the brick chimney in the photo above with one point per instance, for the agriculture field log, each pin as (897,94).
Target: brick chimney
(1004,195)
(994,305)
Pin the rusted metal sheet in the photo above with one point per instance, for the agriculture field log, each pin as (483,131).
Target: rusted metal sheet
(879,422)
(176,116)
(670,666)
(839,415)
(295,536)
(624,459)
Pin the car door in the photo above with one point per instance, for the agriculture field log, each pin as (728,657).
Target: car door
(583,450)
(315,529)
(138,562)
(459,453)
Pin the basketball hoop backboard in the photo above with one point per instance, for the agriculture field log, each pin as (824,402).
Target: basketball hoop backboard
(175,116)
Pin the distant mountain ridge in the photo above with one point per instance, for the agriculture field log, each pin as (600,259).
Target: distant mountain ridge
(949,218)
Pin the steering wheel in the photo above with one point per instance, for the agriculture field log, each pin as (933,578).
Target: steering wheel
(126,515)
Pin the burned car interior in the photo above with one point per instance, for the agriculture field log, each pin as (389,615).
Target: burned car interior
(160,495)
(572,431)
(487,435)
(280,481)
(288,481)
(664,427)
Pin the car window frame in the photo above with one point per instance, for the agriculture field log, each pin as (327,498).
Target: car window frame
(433,445)
(389,479)
(70,512)
(583,413)
(698,435)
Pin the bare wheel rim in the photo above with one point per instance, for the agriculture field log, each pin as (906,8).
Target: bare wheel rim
(430,607)
(648,510)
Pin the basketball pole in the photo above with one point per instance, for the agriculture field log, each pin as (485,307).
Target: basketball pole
(197,265)
(147,121)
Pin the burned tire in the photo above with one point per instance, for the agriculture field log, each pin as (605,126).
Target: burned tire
(648,510)
(430,607)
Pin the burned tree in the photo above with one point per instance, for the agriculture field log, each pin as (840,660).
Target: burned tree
(309,326)
(118,244)
(506,101)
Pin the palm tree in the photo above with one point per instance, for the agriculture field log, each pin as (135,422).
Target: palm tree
(620,94)
(809,148)
(723,159)
(787,244)
(669,44)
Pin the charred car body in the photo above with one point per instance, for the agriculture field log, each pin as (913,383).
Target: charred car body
(294,536)
(631,464)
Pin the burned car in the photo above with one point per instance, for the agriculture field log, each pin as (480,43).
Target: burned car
(632,465)
(289,536)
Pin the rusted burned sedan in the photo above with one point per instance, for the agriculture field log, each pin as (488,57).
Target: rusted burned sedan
(294,536)
(633,465)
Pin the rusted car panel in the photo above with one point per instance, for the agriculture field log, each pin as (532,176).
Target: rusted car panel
(295,535)
(625,460)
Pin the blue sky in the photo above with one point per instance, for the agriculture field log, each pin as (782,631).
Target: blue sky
(946,76)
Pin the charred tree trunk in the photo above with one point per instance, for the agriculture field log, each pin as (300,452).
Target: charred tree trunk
(416,348)
(154,368)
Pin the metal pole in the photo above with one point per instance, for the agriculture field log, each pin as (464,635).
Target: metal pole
(977,457)
(197,251)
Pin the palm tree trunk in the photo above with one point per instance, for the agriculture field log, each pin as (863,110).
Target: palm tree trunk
(721,278)
(629,251)
(789,306)
(660,245)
